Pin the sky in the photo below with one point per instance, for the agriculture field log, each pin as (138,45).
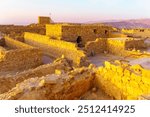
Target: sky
(79,11)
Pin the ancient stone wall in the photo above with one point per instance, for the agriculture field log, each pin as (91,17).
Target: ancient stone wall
(143,33)
(2,53)
(134,44)
(53,87)
(9,81)
(56,48)
(44,20)
(15,31)
(119,46)
(96,47)
(72,32)
(116,34)
(2,41)
(14,44)
(54,31)
(135,54)
(123,81)
(115,45)
(20,59)
(23,57)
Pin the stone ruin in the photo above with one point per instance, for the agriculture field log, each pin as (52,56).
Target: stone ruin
(44,20)
(72,75)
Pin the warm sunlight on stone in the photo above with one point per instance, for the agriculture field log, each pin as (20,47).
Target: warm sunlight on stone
(59,61)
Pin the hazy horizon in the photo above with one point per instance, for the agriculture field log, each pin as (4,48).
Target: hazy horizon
(77,11)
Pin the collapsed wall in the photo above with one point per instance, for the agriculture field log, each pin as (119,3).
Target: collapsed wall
(53,87)
(127,47)
(9,81)
(132,43)
(23,57)
(119,45)
(96,47)
(56,48)
(123,81)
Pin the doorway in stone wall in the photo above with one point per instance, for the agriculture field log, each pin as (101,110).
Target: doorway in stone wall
(106,32)
(79,41)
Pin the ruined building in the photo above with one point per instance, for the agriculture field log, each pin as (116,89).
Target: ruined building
(77,33)
(44,20)
(87,61)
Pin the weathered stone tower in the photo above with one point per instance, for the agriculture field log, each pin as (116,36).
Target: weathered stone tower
(44,20)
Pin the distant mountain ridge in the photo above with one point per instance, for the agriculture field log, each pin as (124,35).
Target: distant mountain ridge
(136,23)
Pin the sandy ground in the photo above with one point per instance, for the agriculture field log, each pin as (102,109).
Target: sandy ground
(47,59)
(99,60)
(144,62)
(96,94)
(11,73)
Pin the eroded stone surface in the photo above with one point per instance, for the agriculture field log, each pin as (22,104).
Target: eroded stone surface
(66,86)
(9,81)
